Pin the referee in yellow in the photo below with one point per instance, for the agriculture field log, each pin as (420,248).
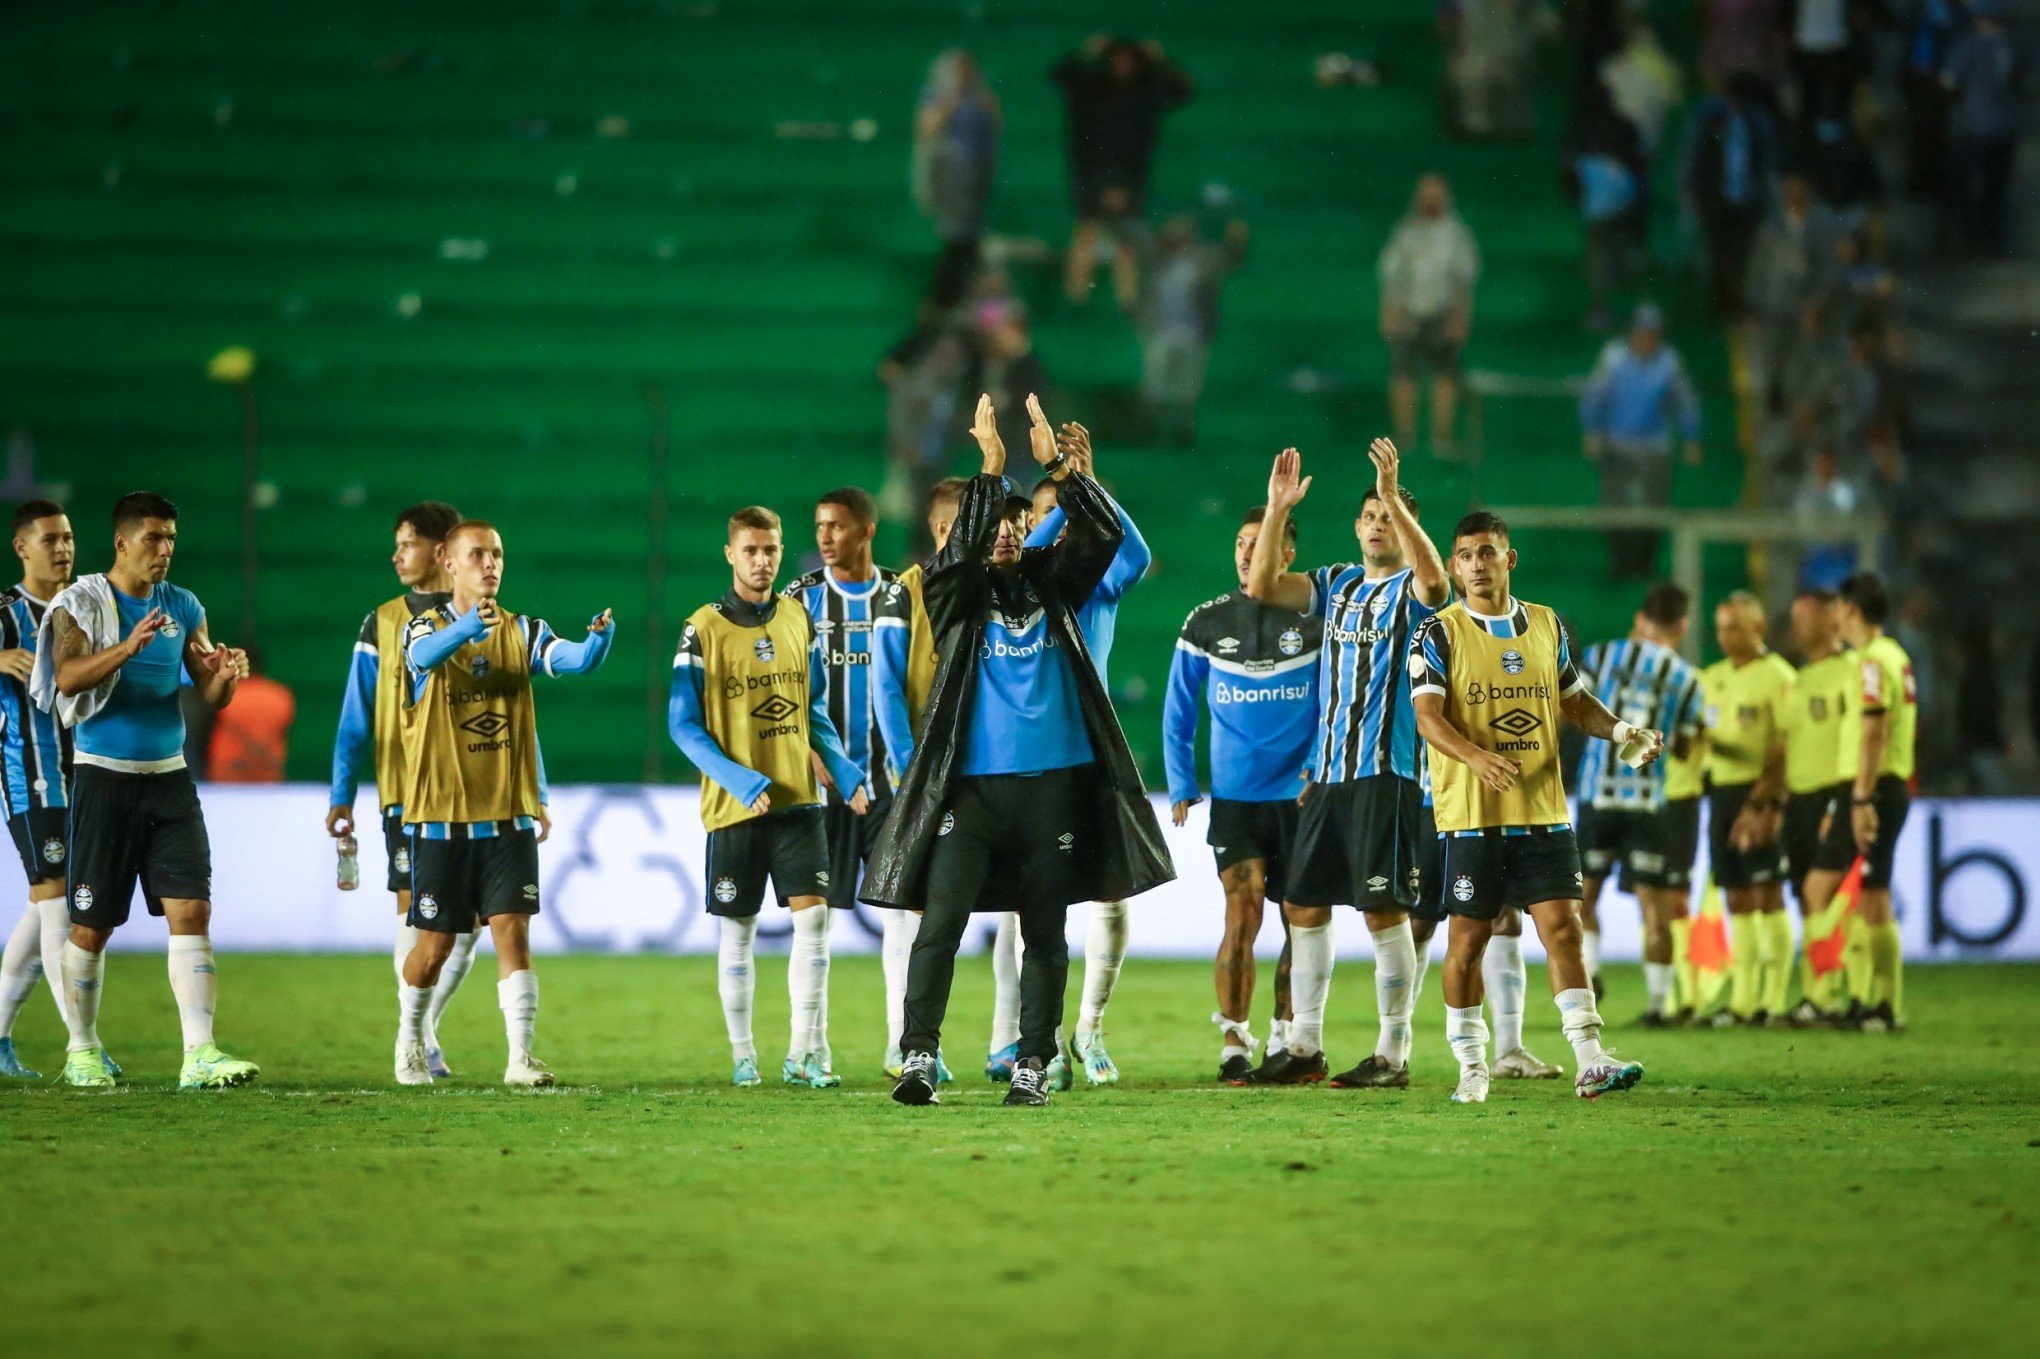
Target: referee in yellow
(1822,693)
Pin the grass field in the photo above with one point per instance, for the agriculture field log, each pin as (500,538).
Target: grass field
(1785,1193)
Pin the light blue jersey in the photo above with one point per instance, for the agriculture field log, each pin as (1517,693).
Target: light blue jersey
(1098,616)
(1027,717)
(141,729)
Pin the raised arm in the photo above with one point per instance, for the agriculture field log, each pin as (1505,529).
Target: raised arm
(356,736)
(427,647)
(80,669)
(1266,579)
(1189,672)
(686,722)
(557,657)
(1427,568)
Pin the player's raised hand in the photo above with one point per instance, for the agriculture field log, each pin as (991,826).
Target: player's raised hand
(1287,486)
(1075,442)
(1387,469)
(1040,437)
(487,611)
(1497,772)
(17,663)
(145,630)
(602,621)
(985,429)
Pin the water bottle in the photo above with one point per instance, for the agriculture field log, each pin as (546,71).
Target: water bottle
(350,864)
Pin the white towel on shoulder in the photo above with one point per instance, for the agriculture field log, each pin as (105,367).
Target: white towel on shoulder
(90,603)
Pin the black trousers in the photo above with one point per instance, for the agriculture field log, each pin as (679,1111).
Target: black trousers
(1021,833)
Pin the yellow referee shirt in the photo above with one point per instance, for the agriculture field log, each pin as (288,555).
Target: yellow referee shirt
(1822,693)
(1746,715)
(1885,677)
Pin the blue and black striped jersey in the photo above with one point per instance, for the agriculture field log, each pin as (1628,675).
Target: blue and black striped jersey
(1645,684)
(1366,724)
(852,622)
(35,747)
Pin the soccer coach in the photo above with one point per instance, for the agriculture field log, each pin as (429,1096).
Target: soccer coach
(1021,794)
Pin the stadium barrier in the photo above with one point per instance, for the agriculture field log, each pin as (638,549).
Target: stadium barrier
(623,872)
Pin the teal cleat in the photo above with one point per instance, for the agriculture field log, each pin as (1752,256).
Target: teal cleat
(999,1066)
(1098,1067)
(943,1075)
(207,1068)
(111,1065)
(821,1073)
(10,1063)
(86,1069)
(1608,1076)
(1058,1074)
(745,1074)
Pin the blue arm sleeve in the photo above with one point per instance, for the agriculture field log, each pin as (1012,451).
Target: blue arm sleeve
(544,789)
(577,658)
(822,734)
(890,639)
(1129,564)
(1049,529)
(1189,670)
(357,726)
(432,649)
(690,733)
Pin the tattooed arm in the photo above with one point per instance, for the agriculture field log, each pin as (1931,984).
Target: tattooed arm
(81,670)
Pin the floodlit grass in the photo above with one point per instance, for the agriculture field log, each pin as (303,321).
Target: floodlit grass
(1790,1193)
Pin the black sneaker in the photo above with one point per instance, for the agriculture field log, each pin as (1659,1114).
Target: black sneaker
(1288,1068)
(1807,1015)
(1376,1073)
(1656,1019)
(1852,1018)
(1029,1085)
(1237,1069)
(916,1084)
(1877,1019)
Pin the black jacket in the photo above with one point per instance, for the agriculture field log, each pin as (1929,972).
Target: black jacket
(958,589)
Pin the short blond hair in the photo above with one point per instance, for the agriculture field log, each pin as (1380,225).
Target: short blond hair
(753,517)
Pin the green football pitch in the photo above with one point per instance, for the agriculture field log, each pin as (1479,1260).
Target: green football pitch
(1762,1192)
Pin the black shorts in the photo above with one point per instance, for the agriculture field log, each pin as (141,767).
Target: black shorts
(1498,871)
(1838,849)
(129,828)
(1356,845)
(1631,840)
(1430,902)
(396,838)
(791,848)
(1244,831)
(39,834)
(1739,868)
(1803,815)
(1681,821)
(851,838)
(1426,347)
(458,883)
(1013,842)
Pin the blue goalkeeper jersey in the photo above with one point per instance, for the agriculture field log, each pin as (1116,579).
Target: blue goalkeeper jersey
(1255,667)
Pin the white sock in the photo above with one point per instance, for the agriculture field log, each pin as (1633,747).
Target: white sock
(83,973)
(1278,1036)
(411,1003)
(896,949)
(1657,984)
(21,967)
(1590,952)
(55,913)
(407,939)
(1104,954)
(1239,1039)
(1501,971)
(517,995)
(1467,1031)
(1581,1021)
(1006,983)
(1423,965)
(807,977)
(459,963)
(1395,964)
(196,984)
(737,980)
(1310,983)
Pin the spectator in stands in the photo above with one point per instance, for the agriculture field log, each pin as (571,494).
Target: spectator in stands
(1116,91)
(1927,29)
(1983,76)
(1644,86)
(1592,32)
(1007,367)
(956,153)
(923,377)
(251,736)
(1177,318)
(1637,400)
(1784,271)
(1843,172)
(1740,38)
(1489,63)
(1427,270)
(1825,493)
(1823,60)
(1731,158)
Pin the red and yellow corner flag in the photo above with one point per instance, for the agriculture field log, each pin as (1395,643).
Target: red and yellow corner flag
(1827,933)
(1707,948)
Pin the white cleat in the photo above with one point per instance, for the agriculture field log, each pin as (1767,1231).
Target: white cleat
(412,1068)
(527,1070)
(1473,1085)
(1520,1064)
(1610,1075)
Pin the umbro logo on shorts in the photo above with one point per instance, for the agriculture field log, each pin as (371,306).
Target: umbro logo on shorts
(53,851)
(1462,888)
(531,891)
(948,823)
(1377,883)
(1065,840)
(822,878)
(726,890)
(81,900)
(428,907)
